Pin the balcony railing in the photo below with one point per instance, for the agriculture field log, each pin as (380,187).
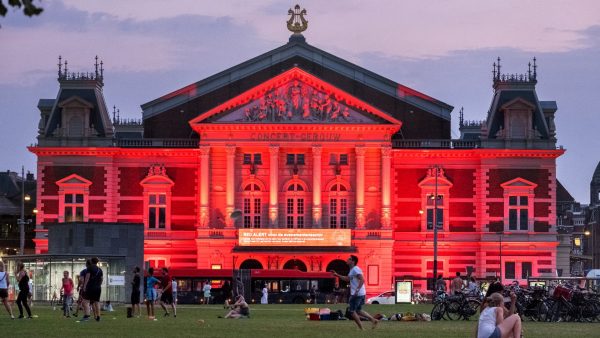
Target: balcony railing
(437,144)
(157,143)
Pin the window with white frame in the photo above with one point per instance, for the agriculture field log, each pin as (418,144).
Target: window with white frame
(157,211)
(518,204)
(338,206)
(435,211)
(435,193)
(252,208)
(73,194)
(157,199)
(295,207)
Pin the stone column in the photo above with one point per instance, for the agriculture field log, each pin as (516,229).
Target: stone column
(386,184)
(317,208)
(204,216)
(273,185)
(360,187)
(230,186)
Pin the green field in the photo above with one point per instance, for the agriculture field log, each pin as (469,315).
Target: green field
(267,321)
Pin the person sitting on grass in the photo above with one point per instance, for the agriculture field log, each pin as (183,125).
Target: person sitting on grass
(492,323)
(239,309)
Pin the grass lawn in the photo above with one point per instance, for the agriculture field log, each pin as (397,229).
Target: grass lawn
(267,321)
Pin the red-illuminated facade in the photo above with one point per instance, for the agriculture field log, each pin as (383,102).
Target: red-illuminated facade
(300,139)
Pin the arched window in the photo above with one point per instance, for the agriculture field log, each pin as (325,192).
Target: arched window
(338,206)
(252,208)
(295,206)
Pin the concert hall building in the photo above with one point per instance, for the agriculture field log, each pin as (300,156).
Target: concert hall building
(296,159)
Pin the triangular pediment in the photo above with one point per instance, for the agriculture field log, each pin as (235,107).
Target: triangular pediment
(518,183)
(518,104)
(74,180)
(295,97)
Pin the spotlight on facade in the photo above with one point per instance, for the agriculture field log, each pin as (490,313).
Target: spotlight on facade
(421,212)
(587,232)
(35,210)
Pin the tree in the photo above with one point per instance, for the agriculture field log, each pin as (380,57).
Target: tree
(29,8)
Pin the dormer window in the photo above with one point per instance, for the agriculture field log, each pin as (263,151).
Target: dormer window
(435,194)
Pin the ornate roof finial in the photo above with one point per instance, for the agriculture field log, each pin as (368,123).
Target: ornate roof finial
(66,69)
(494,71)
(297,23)
(96,64)
(534,68)
(101,69)
(461,117)
(529,70)
(498,66)
(114,114)
(59,66)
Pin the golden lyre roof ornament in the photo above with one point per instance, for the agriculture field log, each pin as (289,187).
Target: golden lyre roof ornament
(297,23)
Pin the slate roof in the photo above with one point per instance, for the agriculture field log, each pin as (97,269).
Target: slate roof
(503,96)
(279,58)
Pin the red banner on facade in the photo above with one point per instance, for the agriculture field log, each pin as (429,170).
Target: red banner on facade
(294,237)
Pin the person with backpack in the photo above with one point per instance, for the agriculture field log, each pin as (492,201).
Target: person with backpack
(93,287)
(23,280)
(4,290)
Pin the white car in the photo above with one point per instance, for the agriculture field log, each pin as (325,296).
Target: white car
(384,298)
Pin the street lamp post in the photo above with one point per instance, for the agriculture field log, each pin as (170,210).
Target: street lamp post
(435,228)
(500,233)
(590,242)
(21,222)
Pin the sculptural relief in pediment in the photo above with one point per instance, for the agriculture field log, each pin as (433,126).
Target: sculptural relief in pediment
(297,102)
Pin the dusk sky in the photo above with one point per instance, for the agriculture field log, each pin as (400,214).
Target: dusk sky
(444,49)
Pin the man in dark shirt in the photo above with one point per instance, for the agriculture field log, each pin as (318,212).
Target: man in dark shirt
(167,292)
(93,286)
(135,292)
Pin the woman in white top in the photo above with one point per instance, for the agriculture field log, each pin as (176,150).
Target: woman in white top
(492,323)
(4,290)
(265,295)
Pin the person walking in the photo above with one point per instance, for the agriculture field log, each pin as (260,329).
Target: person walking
(4,290)
(265,295)
(67,291)
(206,289)
(23,282)
(81,302)
(166,298)
(135,292)
(357,292)
(174,288)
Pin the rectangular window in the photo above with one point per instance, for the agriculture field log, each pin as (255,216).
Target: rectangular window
(257,221)
(509,270)
(518,213)
(290,206)
(74,206)
(247,158)
(343,222)
(343,206)
(343,159)
(297,159)
(246,205)
(333,206)
(257,205)
(247,222)
(257,159)
(290,222)
(526,269)
(440,218)
(68,214)
(300,224)
(252,159)
(333,222)
(300,206)
(157,211)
